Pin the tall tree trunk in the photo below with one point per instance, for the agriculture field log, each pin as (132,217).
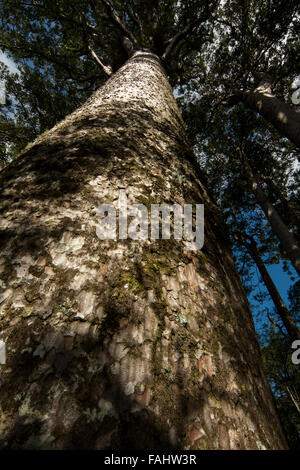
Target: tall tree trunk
(280,306)
(283,117)
(286,238)
(290,213)
(127,343)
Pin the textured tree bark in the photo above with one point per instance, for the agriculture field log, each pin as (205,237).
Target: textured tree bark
(122,344)
(284,118)
(286,238)
(280,306)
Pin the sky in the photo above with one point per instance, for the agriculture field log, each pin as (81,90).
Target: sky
(281,279)
(13,69)
(9,62)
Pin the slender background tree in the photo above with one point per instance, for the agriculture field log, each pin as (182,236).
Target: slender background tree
(214,54)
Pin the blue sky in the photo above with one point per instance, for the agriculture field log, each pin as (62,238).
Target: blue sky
(281,279)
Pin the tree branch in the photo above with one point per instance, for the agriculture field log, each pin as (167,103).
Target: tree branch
(120,25)
(265,81)
(181,35)
(52,59)
(135,18)
(106,68)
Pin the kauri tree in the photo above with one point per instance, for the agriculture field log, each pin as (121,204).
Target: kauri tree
(119,343)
